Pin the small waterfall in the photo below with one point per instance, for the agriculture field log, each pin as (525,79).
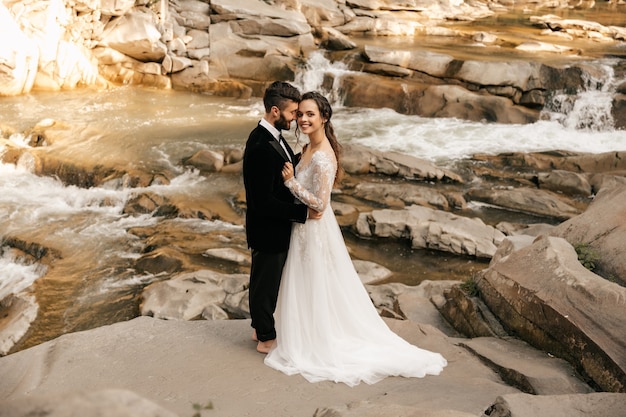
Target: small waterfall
(313,77)
(590,109)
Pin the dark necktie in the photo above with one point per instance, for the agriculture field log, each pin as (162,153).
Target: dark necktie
(283,143)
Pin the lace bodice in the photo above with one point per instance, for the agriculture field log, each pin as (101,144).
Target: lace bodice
(314,181)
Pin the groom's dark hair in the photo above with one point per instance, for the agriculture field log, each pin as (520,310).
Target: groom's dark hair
(278,93)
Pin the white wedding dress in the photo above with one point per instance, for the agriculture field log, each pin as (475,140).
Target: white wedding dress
(327,326)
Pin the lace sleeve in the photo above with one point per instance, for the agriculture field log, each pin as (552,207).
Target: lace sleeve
(323,169)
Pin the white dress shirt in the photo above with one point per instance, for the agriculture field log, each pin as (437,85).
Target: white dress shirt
(276,133)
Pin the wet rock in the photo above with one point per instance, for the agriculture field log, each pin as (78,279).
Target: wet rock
(200,294)
(433,229)
(582,163)
(430,99)
(17,312)
(360,160)
(233,155)
(543,294)
(399,195)
(229,254)
(543,47)
(162,260)
(144,203)
(618,111)
(456,101)
(371,272)
(528,200)
(206,160)
(570,183)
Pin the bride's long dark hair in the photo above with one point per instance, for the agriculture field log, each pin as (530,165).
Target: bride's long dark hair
(326,112)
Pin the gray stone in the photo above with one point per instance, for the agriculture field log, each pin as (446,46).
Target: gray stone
(527,368)
(370,272)
(551,301)
(112,402)
(565,181)
(541,202)
(17,312)
(136,35)
(180,363)
(601,227)
(598,404)
(229,254)
(433,229)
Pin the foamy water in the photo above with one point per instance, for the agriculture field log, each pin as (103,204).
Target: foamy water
(581,124)
(87,222)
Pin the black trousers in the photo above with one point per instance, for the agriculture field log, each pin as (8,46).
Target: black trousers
(265,274)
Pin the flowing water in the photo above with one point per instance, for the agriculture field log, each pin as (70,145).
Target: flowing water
(155,130)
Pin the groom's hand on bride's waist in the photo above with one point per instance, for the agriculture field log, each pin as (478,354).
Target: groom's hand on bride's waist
(314,215)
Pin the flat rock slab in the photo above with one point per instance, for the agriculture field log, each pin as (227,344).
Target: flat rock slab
(527,368)
(176,364)
(598,404)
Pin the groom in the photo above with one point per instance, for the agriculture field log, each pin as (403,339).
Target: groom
(271,208)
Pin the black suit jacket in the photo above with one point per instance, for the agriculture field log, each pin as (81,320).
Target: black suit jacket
(271,207)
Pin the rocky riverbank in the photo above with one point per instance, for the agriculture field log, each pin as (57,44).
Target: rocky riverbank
(235,47)
(535,328)
(515,305)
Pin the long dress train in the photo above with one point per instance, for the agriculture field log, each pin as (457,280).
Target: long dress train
(327,326)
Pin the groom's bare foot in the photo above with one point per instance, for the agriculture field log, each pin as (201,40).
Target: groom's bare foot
(256,339)
(264,347)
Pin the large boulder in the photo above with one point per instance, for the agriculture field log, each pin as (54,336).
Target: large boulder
(542,294)
(401,194)
(432,63)
(432,229)
(136,34)
(18,59)
(235,55)
(602,227)
(200,294)
(529,200)
(419,98)
(358,159)
(36,52)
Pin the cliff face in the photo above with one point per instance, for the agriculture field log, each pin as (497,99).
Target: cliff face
(234,48)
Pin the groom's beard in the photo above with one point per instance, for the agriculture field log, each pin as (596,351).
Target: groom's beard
(282,123)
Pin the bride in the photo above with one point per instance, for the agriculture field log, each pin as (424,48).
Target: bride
(327,326)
